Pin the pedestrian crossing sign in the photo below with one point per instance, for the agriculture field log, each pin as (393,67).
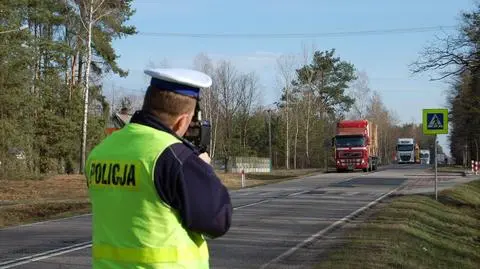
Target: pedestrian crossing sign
(435,121)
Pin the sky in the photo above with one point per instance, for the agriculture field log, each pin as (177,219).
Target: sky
(384,57)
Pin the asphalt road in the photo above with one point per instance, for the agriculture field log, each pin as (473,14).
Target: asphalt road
(271,223)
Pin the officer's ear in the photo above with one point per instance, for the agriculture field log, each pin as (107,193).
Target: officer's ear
(181,123)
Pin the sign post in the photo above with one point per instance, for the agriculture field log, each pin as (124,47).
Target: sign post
(435,122)
(436,165)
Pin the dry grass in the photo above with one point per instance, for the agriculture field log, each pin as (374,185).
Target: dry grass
(26,213)
(24,201)
(56,187)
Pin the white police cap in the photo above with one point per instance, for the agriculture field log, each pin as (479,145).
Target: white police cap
(182,81)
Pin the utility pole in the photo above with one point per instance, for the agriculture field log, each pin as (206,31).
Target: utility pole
(270,136)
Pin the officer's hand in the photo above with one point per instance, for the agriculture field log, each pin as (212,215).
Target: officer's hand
(204,156)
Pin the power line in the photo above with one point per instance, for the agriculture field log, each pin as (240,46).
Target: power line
(301,35)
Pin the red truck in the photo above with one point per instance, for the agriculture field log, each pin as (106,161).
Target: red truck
(356,145)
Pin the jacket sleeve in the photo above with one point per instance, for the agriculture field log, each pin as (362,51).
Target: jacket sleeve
(190,185)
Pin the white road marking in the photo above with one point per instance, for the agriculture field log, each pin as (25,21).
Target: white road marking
(298,193)
(252,204)
(44,255)
(60,251)
(326,230)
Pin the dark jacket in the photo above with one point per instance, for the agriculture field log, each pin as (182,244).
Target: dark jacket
(189,185)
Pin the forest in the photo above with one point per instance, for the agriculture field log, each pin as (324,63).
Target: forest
(55,55)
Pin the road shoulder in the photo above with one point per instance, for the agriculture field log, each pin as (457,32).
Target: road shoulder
(413,231)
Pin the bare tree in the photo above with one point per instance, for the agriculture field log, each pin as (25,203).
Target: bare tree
(385,120)
(164,63)
(308,91)
(286,69)
(297,106)
(361,92)
(229,102)
(209,97)
(131,102)
(453,58)
(204,64)
(248,90)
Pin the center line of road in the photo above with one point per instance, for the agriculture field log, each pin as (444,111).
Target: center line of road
(252,204)
(327,229)
(72,248)
(298,193)
(44,255)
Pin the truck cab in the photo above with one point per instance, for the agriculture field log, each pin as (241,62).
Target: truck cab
(425,156)
(355,146)
(406,150)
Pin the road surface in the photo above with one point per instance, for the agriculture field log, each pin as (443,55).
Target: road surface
(271,224)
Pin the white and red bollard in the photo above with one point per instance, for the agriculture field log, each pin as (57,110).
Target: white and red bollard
(475,165)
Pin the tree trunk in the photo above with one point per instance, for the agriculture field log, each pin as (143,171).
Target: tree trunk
(72,76)
(245,129)
(87,76)
(287,149)
(214,137)
(476,147)
(385,159)
(307,130)
(80,68)
(225,158)
(296,144)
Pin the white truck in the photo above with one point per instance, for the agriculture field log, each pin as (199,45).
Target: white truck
(406,150)
(425,156)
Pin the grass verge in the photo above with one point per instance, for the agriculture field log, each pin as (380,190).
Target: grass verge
(28,213)
(26,201)
(416,232)
(451,169)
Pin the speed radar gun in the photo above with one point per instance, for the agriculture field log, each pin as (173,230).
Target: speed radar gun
(198,132)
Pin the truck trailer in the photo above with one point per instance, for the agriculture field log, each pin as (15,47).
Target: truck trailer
(356,145)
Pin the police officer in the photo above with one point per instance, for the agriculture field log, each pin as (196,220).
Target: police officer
(154,197)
